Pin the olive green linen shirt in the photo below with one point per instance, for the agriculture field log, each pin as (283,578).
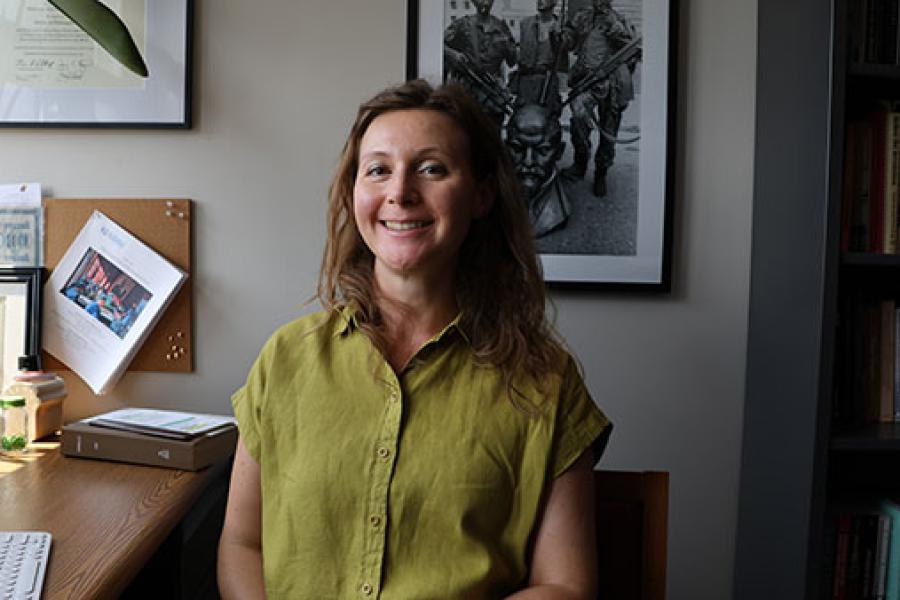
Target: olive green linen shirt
(426,484)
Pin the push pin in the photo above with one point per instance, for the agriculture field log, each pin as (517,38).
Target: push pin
(179,334)
(168,357)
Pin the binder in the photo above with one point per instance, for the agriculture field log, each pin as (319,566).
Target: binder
(81,439)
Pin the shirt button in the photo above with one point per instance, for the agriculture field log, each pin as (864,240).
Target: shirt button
(366,589)
(394,396)
(383,453)
(375,520)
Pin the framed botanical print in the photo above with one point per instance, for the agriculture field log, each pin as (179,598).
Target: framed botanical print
(54,75)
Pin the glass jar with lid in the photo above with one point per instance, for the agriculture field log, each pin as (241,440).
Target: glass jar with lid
(13,424)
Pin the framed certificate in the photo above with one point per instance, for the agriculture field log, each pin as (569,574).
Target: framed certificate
(52,74)
(583,92)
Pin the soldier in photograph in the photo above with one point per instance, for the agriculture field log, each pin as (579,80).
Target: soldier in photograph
(540,49)
(475,48)
(600,85)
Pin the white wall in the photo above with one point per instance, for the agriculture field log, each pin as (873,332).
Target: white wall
(276,86)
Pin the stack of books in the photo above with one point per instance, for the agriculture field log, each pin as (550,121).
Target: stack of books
(871,190)
(163,438)
(869,364)
(873,28)
(866,546)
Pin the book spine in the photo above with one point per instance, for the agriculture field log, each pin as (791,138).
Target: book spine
(870,409)
(854,559)
(889,33)
(868,546)
(848,191)
(881,555)
(863,196)
(841,556)
(886,357)
(855,30)
(896,4)
(897,364)
(877,190)
(892,585)
(862,30)
(145,450)
(892,180)
(872,30)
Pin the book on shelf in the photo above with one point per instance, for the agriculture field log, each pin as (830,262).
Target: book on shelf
(867,388)
(892,183)
(886,359)
(873,29)
(897,363)
(870,202)
(865,563)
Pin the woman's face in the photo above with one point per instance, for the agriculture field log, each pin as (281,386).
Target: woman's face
(415,195)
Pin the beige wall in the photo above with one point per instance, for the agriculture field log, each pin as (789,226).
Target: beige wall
(276,86)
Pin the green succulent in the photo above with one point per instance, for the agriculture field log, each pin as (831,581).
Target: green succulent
(13,442)
(107,29)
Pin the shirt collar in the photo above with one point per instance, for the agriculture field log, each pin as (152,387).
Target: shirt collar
(346,322)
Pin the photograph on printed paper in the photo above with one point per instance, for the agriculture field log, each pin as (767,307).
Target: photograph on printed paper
(565,81)
(106,292)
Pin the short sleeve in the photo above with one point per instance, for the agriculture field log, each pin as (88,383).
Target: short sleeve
(247,403)
(580,423)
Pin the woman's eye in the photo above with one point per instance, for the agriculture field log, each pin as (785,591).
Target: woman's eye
(433,169)
(375,170)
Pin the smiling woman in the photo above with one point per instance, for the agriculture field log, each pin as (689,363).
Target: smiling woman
(438,439)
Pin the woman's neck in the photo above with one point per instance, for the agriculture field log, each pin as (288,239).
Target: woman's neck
(413,311)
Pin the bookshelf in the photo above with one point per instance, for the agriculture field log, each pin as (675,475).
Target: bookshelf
(803,454)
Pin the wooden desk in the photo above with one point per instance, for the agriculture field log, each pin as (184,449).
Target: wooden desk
(107,519)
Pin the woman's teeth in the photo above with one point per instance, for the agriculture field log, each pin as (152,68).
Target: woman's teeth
(404,225)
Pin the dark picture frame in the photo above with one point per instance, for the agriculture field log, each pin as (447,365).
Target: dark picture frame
(27,282)
(614,230)
(55,82)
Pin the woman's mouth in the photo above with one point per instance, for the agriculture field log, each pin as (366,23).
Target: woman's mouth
(405,225)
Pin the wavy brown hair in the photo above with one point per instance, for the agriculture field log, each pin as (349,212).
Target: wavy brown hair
(499,285)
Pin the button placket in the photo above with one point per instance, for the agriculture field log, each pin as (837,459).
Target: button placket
(384,456)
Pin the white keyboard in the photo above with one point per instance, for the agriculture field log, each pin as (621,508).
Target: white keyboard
(23,563)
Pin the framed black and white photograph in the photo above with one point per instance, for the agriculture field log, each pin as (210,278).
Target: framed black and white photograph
(583,92)
(55,75)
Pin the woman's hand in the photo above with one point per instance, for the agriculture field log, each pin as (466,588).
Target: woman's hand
(240,570)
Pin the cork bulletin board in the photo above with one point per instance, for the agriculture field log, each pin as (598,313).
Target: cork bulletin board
(165,226)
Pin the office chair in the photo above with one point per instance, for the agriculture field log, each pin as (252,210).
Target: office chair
(632,522)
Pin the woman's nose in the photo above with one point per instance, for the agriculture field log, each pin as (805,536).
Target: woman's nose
(401,189)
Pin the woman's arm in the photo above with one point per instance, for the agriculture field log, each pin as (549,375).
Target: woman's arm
(240,569)
(564,563)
